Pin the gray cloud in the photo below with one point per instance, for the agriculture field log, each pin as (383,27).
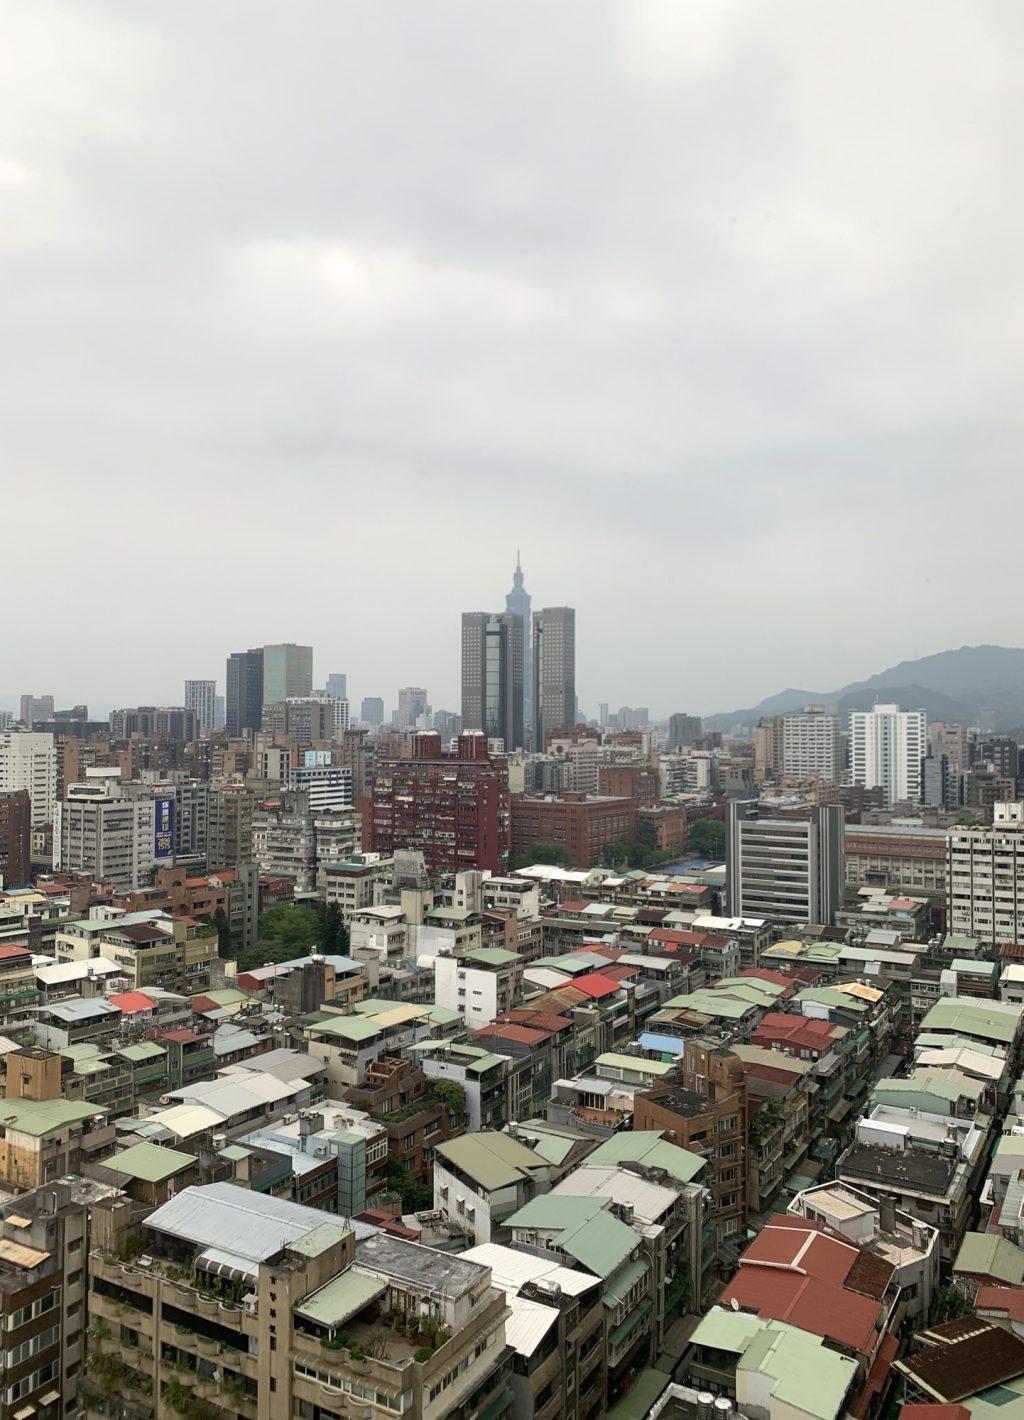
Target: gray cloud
(314,312)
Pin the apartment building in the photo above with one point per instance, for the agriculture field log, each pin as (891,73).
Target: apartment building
(451,807)
(15,837)
(28,760)
(887,746)
(985,878)
(582,824)
(112,838)
(259,1306)
(702,1107)
(150,948)
(481,984)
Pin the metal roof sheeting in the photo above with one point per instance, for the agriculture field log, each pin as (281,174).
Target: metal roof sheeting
(252,1226)
(341,1298)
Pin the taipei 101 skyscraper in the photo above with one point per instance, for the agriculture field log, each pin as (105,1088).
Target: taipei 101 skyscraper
(518,602)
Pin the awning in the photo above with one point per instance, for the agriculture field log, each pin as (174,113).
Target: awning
(226,1264)
(839,1111)
(624,1328)
(623,1283)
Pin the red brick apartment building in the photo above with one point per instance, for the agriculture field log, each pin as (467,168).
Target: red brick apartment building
(453,808)
(581,823)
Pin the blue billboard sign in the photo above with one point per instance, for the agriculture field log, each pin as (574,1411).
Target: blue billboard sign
(163,828)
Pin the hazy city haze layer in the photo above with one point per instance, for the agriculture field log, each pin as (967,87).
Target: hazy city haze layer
(314,313)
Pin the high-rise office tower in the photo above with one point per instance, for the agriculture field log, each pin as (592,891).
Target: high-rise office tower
(492,675)
(683,730)
(287,672)
(371,712)
(244,683)
(201,696)
(412,703)
(554,670)
(887,745)
(36,709)
(786,868)
(337,685)
(518,602)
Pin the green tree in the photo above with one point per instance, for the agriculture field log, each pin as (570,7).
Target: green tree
(707,838)
(950,1304)
(333,934)
(452,1096)
(415,1195)
(286,930)
(225,946)
(553,854)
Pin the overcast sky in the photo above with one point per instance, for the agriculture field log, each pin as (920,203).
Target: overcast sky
(313,313)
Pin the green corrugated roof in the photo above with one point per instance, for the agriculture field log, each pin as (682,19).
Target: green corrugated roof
(341,1298)
(974,1018)
(803,1372)
(988,1255)
(492,956)
(234,1153)
(38,1117)
(347,1027)
(319,1239)
(829,996)
(586,1230)
(149,1162)
(647,1386)
(491,1159)
(145,1050)
(648,1147)
(623,1280)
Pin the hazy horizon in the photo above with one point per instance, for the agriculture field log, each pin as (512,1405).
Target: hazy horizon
(312,320)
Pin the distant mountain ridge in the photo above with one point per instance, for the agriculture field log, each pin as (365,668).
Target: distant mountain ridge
(950,685)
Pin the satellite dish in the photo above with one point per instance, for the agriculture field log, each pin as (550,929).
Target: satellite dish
(734,1304)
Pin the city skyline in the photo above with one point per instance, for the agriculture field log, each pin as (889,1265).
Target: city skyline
(688,320)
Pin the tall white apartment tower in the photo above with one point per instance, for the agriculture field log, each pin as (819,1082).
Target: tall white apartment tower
(887,745)
(201,696)
(28,760)
(812,744)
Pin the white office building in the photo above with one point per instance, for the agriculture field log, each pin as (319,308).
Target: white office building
(887,745)
(812,744)
(329,786)
(784,869)
(201,696)
(28,760)
(114,839)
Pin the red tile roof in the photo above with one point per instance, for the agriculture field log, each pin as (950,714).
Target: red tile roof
(802,1275)
(184,1036)
(9,953)
(132,1001)
(934,1412)
(543,1020)
(798,1031)
(619,973)
(522,1035)
(203,1003)
(595,985)
(1003,1301)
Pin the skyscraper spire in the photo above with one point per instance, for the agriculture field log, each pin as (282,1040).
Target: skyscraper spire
(518,601)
